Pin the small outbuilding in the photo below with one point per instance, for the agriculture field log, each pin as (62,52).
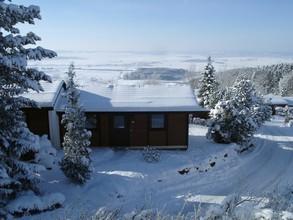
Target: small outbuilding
(127,114)
(276,101)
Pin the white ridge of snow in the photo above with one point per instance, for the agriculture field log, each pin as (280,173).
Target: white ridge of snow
(123,173)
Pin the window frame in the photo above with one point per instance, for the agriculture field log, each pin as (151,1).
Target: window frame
(114,121)
(164,121)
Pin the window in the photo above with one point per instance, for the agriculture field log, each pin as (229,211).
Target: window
(91,121)
(158,121)
(119,121)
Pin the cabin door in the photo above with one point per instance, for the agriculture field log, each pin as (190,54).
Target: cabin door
(119,125)
(138,129)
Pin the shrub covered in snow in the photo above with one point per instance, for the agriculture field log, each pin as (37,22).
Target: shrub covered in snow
(105,214)
(151,154)
(28,204)
(18,146)
(76,163)
(47,153)
(199,121)
(280,200)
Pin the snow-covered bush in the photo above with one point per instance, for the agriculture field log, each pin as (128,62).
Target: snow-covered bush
(28,204)
(151,154)
(105,214)
(290,123)
(208,92)
(76,163)
(47,153)
(287,114)
(280,111)
(280,200)
(199,121)
(18,146)
(146,214)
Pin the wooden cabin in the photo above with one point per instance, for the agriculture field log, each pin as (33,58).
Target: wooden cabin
(130,114)
(43,120)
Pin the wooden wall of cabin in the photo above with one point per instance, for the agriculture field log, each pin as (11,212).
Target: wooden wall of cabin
(37,120)
(139,131)
(177,129)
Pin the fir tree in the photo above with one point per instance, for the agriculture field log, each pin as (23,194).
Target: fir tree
(244,92)
(230,124)
(238,115)
(286,85)
(208,86)
(76,161)
(18,172)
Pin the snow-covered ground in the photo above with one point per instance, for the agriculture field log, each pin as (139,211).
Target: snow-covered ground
(123,180)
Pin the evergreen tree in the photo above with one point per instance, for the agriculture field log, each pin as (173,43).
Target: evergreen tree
(244,92)
(18,171)
(286,85)
(238,115)
(230,124)
(76,161)
(208,86)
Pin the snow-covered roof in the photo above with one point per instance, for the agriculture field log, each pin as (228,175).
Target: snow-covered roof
(279,100)
(138,97)
(48,97)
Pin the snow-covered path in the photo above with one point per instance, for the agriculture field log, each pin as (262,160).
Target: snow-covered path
(123,180)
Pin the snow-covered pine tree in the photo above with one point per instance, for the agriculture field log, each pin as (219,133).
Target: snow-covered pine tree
(17,173)
(286,85)
(230,124)
(76,161)
(246,96)
(260,111)
(208,86)
(244,92)
(238,115)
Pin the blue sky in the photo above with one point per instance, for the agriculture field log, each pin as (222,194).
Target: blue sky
(258,26)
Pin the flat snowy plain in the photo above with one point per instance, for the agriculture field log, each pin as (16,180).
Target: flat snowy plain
(109,66)
(123,180)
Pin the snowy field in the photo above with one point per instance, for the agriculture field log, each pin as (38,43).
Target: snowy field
(123,180)
(109,66)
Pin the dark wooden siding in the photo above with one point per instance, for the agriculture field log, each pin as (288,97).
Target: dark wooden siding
(158,138)
(37,120)
(177,128)
(104,127)
(138,131)
(201,114)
